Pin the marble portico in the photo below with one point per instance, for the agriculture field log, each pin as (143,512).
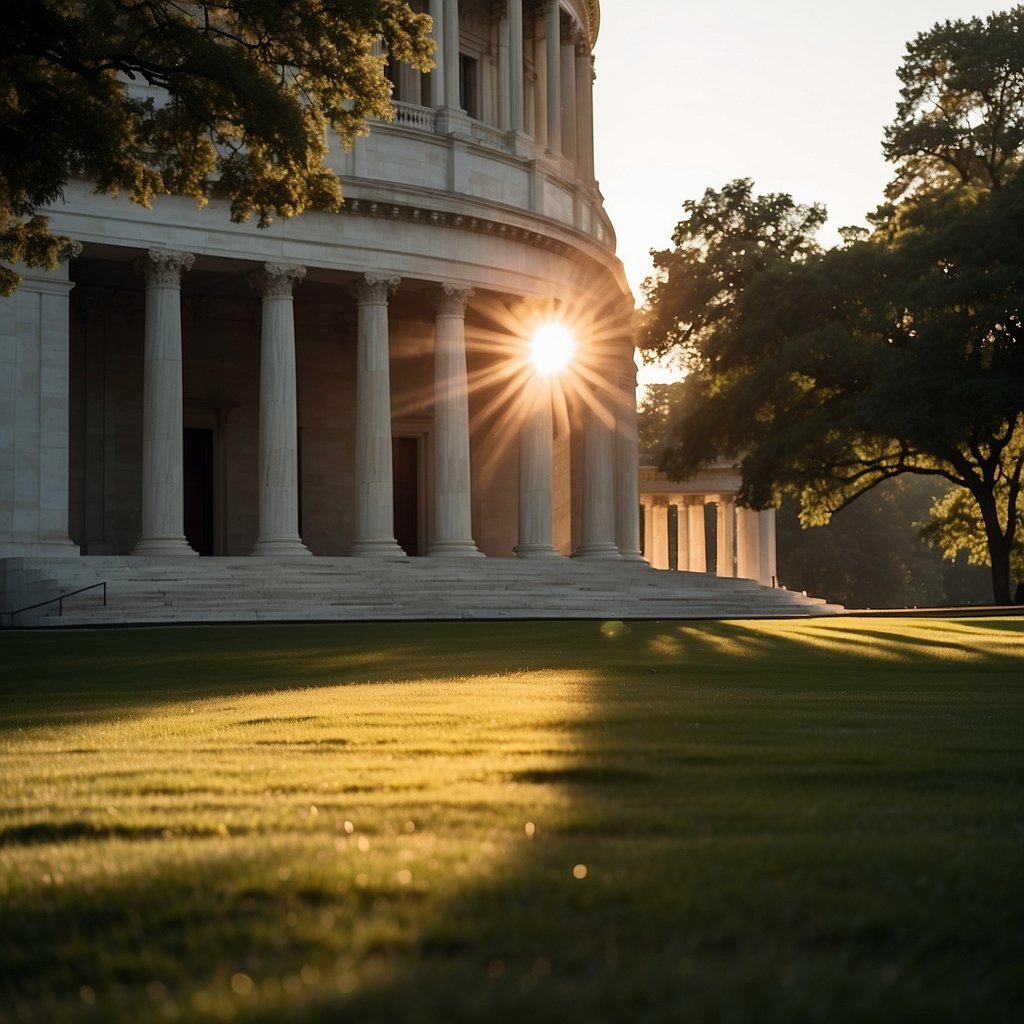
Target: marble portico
(295,360)
(354,385)
(678,528)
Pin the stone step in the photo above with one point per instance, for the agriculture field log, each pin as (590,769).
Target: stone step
(148,590)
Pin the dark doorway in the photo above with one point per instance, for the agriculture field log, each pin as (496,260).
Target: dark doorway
(406,454)
(199,489)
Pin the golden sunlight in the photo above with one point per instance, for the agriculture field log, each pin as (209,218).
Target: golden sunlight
(553,347)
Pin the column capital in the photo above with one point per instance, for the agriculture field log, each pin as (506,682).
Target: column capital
(374,289)
(162,268)
(451,299)
(276,280)
(573,35)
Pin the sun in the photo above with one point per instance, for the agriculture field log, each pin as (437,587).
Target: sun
(553,346)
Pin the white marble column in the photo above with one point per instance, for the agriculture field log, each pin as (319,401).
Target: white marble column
(34,423)
(584,110)
(278,501)
(726,536)
(698,559)
(452,527)
(597,534)
(627,471)
(438,72)
(515,64)
(375,495)
(450,35)
(648,528)
(748,544)
(768,564)
(504,75)
(536,472)
(682,537)
(659,533)
(537,86)
(553,61)
(163,487)
(567,63)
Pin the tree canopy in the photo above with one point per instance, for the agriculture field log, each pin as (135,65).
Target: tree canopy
(727,237)
(960,117)
(153,96)
(835,371)
(827,373)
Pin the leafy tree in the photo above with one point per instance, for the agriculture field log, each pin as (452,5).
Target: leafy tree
(955,524)
(833,372)
(872,555)
(657,410)
(960,118)
(901,352)
(154,96)
(727,237)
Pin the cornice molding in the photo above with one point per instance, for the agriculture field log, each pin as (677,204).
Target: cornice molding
(457,221)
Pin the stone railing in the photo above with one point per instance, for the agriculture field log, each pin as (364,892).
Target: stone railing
(485,135)
(424,119)
(409,115)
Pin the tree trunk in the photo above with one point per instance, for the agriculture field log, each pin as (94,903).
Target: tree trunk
(998,548)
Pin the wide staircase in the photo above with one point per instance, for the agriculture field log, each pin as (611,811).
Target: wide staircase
(149,591)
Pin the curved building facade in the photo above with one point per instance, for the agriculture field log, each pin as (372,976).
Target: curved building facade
(357,383)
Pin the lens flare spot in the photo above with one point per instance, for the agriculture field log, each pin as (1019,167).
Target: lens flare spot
(553,346)
(242,984)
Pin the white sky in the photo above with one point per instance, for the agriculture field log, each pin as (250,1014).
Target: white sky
(792,93)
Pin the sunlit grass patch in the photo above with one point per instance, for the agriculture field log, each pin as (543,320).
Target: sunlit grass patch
(737,820)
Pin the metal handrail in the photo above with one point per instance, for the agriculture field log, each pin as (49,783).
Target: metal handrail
(59,600)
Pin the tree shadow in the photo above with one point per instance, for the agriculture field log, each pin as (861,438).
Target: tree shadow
(718,822)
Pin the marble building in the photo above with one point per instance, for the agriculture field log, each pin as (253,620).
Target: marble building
(697,525)
(355,384)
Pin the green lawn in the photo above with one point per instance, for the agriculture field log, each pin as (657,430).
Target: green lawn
(708,822)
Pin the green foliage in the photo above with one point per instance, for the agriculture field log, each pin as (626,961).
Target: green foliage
(726,238)
(656,411)
(234,97)
(780,821)
(872,555)
(960,118)
(833,372)
(898,352)
(955,525)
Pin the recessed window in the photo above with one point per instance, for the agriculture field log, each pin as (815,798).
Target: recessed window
(469,76)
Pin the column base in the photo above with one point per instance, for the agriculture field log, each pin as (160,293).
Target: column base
(520,144)
(163,547)
(454,549)
(631,556)
(454,121)
(377,549)
(280,547)
(537,551)
(601,550)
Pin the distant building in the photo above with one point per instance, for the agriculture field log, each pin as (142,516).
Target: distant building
(696,525)
(355,383)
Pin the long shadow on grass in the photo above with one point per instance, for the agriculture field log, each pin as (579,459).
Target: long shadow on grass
(729,823)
